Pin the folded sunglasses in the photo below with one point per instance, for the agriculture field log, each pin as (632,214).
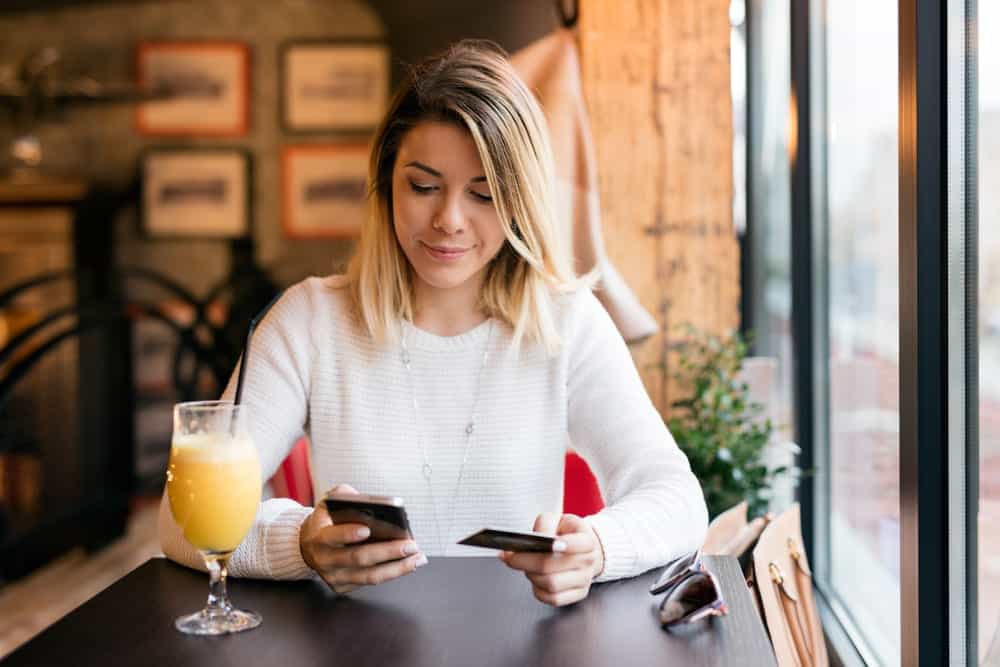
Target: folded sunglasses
(691,592)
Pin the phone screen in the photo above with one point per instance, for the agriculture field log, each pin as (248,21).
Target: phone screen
(386,521)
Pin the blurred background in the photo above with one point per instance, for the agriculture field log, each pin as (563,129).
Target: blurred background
(167,166)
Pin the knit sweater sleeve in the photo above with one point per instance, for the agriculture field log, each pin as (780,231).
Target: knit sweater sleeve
(655,509)
(276,390)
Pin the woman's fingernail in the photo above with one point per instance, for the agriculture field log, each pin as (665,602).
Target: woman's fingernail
(410,548)
(422,560)
(362,533)
(559,545)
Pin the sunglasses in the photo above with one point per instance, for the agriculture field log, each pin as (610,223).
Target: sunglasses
(692,592)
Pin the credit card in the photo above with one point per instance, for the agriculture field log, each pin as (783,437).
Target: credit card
(506,540)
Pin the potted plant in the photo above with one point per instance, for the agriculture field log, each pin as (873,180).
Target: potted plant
(719,428)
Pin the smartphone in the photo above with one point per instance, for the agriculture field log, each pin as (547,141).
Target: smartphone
(385,516)
(507,540)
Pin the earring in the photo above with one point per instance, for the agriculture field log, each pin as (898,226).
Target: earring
(514,229)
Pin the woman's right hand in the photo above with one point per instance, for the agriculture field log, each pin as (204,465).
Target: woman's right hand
(333,552)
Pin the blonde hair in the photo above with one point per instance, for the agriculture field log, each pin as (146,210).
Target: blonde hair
(474,86)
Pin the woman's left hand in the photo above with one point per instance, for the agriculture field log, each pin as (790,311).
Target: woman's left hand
(564,576)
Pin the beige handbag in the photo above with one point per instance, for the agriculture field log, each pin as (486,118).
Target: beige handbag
(785,587)
(730,534)
(724,528)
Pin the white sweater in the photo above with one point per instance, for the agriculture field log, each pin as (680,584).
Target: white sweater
(311,369)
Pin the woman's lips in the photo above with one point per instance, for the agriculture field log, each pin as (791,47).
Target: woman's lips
(445,253)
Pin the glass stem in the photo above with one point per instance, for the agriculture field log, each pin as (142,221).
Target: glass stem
(218,599)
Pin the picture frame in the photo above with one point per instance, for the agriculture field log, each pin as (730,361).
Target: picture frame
(324,190)
(207,88)
(196,192)
(333,86)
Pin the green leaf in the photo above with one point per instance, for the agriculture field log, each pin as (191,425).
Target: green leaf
(717,426)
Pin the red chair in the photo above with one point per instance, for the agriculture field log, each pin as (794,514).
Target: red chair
(581,495)
(292,479)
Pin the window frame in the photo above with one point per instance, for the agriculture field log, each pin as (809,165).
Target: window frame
(938,320)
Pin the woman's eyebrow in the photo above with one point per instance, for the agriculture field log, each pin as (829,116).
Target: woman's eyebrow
(424,167)
(436,173)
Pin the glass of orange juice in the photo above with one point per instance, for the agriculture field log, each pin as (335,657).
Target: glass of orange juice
(213,484)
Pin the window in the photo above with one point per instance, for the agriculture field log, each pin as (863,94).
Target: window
(989,333)
(862,193)
(768,242)
(896,360)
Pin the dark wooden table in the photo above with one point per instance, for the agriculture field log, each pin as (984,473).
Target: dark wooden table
(455,611)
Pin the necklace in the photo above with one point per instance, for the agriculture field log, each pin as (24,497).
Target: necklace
(427,470)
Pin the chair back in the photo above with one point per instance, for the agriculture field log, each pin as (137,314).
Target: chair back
(293,477)
(581,495)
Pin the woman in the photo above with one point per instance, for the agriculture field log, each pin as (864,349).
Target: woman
(452,361)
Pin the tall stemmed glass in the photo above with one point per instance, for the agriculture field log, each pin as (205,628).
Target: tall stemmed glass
(213,483)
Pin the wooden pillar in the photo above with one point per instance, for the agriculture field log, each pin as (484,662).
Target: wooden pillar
(657,85)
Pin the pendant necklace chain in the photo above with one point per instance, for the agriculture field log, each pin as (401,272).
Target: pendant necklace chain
(427,470)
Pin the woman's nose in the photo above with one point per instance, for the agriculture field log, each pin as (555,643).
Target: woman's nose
(450,219)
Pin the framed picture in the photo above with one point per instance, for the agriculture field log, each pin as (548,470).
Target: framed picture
(324,190)
(206,84)
(196,192)
(333,86)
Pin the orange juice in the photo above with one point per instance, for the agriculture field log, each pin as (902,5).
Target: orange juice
(213,482)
